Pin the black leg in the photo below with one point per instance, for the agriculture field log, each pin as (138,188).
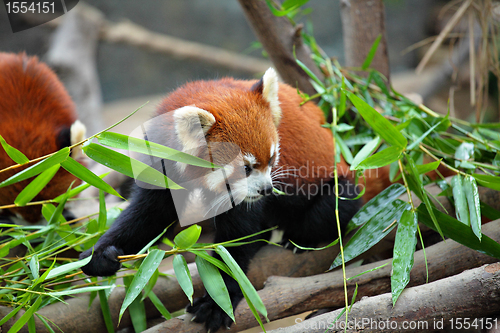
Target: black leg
(233,224)
(148,214)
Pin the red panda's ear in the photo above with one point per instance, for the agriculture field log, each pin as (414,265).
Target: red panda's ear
(270,87)
(77,134)
(191,125)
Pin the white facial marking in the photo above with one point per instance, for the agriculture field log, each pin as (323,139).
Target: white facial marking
(250,159)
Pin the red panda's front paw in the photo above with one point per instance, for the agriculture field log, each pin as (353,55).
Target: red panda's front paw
(104,261)
(205,310)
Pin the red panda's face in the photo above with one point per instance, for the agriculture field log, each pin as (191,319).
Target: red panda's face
(239,126)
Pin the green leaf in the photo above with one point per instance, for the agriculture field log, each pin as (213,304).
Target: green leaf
(159,306)
(461,207)
(308,71)
(36,185)
(152,242)
(423,136)
(144,273)
(106,312)
(35,267)
(404,248)
(343,127)
(375,205)
(214,285)
(126,165)
(121,141)
(79,290)
(216,262)
(26,316)
(379,124)
(183,276)
(137,310)
(492,182)
(424,168)
(372,231)
(13,153)
(66,268)
(151,283)
(188,237)
(425,198)
(472,194)
(41,166)
(242,279)
(102,211)
(459,232)
(371,53)
(88,176)
(286,10)
(365,152)
(343,149)
(382,158)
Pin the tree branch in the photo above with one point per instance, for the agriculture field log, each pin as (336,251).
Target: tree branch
(279,38)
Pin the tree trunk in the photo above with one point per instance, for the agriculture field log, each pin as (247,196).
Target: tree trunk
(362,22)
(446,303)
(279,37)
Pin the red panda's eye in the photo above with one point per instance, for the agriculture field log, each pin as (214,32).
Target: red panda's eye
(248,170)
(271,160)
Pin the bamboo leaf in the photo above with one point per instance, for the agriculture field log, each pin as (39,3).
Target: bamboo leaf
(122,141)
(365,152)
(66,268)
(461,207)
(159,306)
(380,159)
(214,285)
(183,276)
(188,237)
(242,279)
(79,290)
(375,205)
(127,166)
(423,193)
(144,273)
(35,186)
(88,176)
(41,166)
(13,153)
(102,211)
(106,312)
(492,182)
(372,231)
(404,248)
(26,316)
(136,309)
(459,232)
(35,267)
(371,53)
(379,124)
(472,195)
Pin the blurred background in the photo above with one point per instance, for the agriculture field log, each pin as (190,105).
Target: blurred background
(126,72)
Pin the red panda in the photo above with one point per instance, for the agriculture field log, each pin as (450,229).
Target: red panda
(280,143)
(37,117)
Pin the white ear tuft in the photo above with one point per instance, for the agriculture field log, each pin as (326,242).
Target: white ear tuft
(270,93)
(191,125)
(77,134)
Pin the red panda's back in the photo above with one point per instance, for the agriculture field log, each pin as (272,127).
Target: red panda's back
(35,112)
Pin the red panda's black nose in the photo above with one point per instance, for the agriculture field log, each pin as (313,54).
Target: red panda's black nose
(266,190)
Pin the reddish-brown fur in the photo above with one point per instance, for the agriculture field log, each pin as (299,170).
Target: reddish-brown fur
(243,117)
(34,107)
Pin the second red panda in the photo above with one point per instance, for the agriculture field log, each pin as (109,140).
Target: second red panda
(38,117)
